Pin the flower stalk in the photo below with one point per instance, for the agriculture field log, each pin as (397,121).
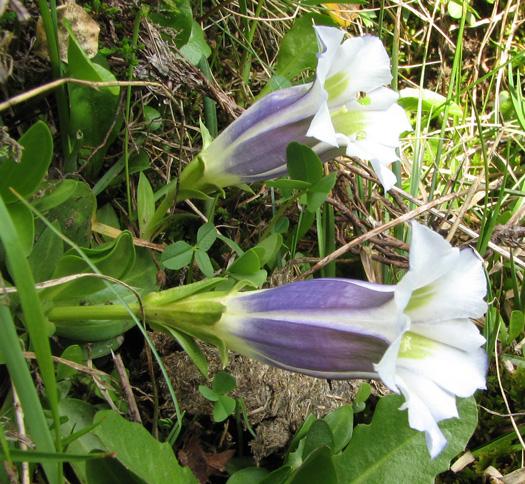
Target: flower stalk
(347,109)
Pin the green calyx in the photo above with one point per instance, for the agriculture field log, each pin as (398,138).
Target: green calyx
(197,180)
(191,309)
(415,346)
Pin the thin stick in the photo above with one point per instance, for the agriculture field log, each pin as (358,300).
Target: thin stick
(72,364)
(124,380)
(19,413)
(25,96)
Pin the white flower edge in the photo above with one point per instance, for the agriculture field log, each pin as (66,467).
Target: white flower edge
(364,66)
(437,355)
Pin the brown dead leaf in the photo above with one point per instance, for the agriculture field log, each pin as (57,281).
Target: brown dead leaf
(86,31)
(203,464)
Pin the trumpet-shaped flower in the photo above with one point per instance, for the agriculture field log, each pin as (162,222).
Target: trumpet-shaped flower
(417,336)
(346,108)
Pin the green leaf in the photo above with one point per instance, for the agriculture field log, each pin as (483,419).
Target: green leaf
(152,118)
(223,383)
(25,177)
(282,226)
(268,248)
(248,475)
(145,203)
(107,216)
(138,451)
(95,347)
(208,393)
(36,422)
(341,423)
(94,332)
(196,48)
(25,225)
(46,253)
(431,102)
(455,10)
(317,194)
(177,15)
(298,51)
(301,433)
(389,449)
(318,435)
(113,258)
(278,476)
(75,213)
(318,467)
(39,457)
(92,111)
(72,353)
(246,264)
(177,255)
(306,221)
(206,236)
(303,163)
(79,415)
(516,325)
(37,328)
(191,348)
(223,408)
(169,296)
(109,471)
(52,194)
(204,262)
(361,397)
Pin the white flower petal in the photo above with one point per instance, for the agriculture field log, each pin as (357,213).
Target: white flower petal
(366,63)
(426,249)
(420,416)
(321,127)
(378,131)
(329,41)
(368,150)
(460,333)
(458,293)
(458,372)
(387,367)
(441,404)
(385,174)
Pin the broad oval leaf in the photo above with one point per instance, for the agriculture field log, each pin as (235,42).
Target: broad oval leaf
(389,449)
(25,176)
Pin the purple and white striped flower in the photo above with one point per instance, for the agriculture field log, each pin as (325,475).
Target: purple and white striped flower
(417,336)
(346,106)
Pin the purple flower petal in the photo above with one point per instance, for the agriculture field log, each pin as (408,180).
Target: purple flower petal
(324,350)
(318,294)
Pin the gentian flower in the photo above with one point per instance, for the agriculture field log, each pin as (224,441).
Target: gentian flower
(417,336)
(346,106)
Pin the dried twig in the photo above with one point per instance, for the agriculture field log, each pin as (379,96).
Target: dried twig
(380,229)
(126,386)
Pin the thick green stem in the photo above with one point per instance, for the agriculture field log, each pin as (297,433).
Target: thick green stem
(200,310)
(102,312)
